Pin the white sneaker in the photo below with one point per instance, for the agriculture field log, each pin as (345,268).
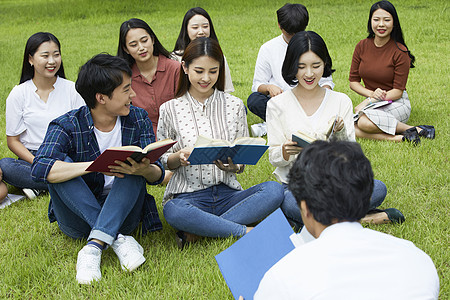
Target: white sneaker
(31,193)
(88,264)
(129,252)
(259,129)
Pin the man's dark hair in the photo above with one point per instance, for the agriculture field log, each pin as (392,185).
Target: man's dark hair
(335,179)
(101,74)
(293,18)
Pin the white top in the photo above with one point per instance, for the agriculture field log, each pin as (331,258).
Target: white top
(285,116)
(28,115)
(107,140)
(229,88)
(269,62)
(222,116)
(350,262)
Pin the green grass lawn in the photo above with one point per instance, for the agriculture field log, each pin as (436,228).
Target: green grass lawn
(38,261)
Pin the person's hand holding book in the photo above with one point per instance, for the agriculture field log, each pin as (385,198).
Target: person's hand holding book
(230,166)
(290,148)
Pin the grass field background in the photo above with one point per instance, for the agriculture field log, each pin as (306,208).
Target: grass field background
(38,261)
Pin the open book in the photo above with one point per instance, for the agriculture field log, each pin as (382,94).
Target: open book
(244,150)
(244,263)
(302,139)
(371,106)
(152,151)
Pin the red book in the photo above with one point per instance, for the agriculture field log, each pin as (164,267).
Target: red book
(152,151)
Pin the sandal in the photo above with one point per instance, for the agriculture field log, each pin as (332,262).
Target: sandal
(411,135)
(184,239)
(394,215)
(427,131)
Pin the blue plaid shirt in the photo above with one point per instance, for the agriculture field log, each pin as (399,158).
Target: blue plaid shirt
(72,135)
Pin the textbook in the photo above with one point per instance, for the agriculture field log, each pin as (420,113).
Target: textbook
(371,106)
(244,263)
(302,139)
(152,151)
(244,150)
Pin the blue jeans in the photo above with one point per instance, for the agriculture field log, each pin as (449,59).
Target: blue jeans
(292,211)
(220,211)
(17,172)
(80,215)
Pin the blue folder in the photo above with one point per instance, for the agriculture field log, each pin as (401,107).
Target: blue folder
(244,263)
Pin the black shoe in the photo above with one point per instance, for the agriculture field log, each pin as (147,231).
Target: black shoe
(394,215)
(181,240)
(427,131)
(411,135)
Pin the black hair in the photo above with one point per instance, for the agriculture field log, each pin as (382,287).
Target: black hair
(158,48)
(199,47)
(31,47)
(397,33)
(335,180)
(293,18)
(183,38)
(301,43)
(102,74)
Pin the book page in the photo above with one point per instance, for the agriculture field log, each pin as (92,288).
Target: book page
(203,141)
(127,148)
(245,140)
(157,144)
(304,136)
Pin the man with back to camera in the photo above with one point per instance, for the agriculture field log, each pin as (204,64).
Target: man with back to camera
(332,183)
(267,80)
(92,205)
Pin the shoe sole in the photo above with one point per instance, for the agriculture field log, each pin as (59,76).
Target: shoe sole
(29,194)
(134,265)
(85,281)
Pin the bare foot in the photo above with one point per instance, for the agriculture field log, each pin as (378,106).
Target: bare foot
(377,218)
(248,229)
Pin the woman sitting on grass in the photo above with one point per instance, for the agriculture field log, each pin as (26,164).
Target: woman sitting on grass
(42,95)
(310,109)
(207,200)
(155,75)
(382,61)
(197,23)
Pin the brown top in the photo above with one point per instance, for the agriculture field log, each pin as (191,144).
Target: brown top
(385,67)
(162,88)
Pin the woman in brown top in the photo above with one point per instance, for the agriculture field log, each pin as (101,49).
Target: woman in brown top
(382,61)
(155,75)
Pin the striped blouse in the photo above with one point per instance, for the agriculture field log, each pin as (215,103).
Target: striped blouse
(221,116)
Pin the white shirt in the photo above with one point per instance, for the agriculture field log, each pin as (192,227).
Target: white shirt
(28,115)
(107,140)
(285,116)
(269,62)
(221,116)
(350,262)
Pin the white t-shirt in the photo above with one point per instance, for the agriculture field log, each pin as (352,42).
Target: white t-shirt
(269,62)
(28,115)
(107,140)
(349,262)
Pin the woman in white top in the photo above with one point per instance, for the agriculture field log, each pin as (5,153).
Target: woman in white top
(197,23)
(310,109)
(207,200)
(42,95)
